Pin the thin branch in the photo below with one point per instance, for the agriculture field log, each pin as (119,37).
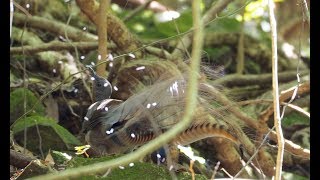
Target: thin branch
(58,46)
(275,91)
(240,51)
(137,10)
(158,52)
(252,79)
(306,10)
(20,160)
(21,9)
(302,88)
(102,34)
(259,101)
(291,147)
(54,27)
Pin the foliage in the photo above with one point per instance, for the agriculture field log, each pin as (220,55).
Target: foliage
(52,134)
(137,170)
(17,103)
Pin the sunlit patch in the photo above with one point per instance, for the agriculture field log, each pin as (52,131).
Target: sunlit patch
(111,64)
(148,105)
(188,152)
(132,135)
(171,167)
(67,156)
(121,167)
(76,90)
(99,57)
(288,50)
(92,63)
(138,27)
(106,109)
(27,6)
(167,16)
(132,55)
(154,104)
(82,57)
(60,62)
(54,70)
(110,57)
(84,28)
(82,150)
(92,78)
(140,68)
(131,164)
(110,131)
(115,88)
(265,26)
(86,118)
(11,6)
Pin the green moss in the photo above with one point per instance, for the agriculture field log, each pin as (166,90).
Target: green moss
(295,118)
(17,103)
(140,170)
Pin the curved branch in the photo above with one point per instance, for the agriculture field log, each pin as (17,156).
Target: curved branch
(261,79)
(53,27)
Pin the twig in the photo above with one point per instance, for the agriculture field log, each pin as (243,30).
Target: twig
(22,9)
(250,79)
(292,147)
(215,170)
(69,106)
(158,52)
(240,51)
(137,10)
(258,101)
(54,27)
(102,34)
(302,88)
(306,10)
(191,169)
(58,46)
(275,91)
(20,160)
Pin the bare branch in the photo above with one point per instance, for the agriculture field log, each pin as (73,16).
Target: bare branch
(53,27)
(58,46)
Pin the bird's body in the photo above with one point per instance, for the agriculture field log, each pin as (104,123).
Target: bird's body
(115,126)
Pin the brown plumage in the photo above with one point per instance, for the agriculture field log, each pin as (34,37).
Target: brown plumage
(115,127)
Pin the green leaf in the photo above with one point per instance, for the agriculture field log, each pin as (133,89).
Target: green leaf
(53,136)
(227,25)
(17,102)
(295,118)
(183,24)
